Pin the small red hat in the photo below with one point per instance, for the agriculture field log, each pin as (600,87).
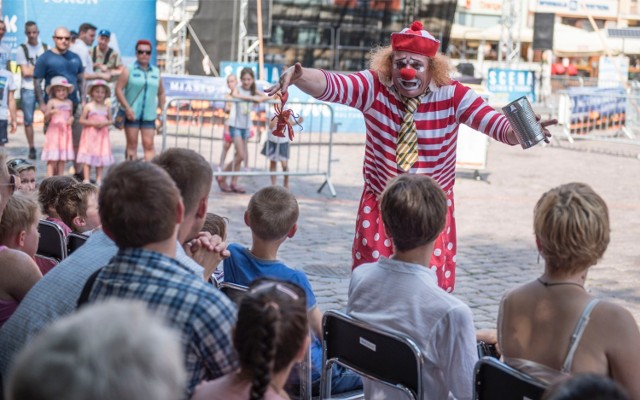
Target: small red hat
(415,40)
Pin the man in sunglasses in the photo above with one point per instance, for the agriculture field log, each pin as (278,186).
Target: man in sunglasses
(59,61)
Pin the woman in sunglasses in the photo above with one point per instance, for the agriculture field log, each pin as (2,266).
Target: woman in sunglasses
(139,91)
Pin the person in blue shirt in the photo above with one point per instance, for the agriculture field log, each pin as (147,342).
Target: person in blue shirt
(272,216)
(59,61)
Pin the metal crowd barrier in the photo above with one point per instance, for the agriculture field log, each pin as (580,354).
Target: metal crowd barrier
(603,114)
(199,125)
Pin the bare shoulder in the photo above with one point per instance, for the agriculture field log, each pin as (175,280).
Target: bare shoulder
(14,261)
(613,316)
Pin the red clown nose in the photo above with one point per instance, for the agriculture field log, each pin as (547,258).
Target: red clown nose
(407,73)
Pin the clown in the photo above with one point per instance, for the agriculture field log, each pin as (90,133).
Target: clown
(412,110)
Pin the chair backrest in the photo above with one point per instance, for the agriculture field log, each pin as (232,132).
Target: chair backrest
(233,291)
(45,264)
(52,241)
(496,380)
(383,356)
(75,240)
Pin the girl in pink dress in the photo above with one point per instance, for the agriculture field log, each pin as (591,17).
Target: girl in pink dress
(95,148)
(58,141)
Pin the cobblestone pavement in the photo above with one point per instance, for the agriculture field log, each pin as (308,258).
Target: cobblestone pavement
(496,249)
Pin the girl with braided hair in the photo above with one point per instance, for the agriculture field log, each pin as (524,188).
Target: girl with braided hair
(271,335)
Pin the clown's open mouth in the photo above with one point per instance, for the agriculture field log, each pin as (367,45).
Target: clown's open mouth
(412,84)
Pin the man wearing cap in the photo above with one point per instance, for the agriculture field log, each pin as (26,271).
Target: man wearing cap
(412,111)
(105,58)
(86,36)
(27,173)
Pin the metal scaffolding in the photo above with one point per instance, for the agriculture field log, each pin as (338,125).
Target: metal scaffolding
(509,46)
(177,26)
(247,45)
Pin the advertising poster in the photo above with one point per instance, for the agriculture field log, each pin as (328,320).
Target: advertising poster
(127,20)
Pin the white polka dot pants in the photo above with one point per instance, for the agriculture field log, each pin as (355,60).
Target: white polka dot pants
(371,241)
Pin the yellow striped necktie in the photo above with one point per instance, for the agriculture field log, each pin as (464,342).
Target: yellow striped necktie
(407,143)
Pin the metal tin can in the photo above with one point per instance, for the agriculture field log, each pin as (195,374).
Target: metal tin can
(523,122)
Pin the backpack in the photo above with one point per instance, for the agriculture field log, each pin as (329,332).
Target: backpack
(32,60)
(94,55)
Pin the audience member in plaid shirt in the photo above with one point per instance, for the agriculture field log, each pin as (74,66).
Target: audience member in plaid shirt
(141,210)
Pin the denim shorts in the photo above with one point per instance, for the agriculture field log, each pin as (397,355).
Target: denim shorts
(243,133)
(3,131)
(140,124)
(28,105)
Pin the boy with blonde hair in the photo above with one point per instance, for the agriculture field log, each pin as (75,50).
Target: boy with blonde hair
(19,224)
(77,206)
(18,243)
(272,216)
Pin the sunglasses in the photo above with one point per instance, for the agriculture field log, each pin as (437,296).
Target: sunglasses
(147,52)
(67,38)
(12,184)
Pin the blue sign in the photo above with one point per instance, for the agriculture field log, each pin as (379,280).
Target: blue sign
(272,71)
(347,119)
(511,83)
(128,20)
(194,86)
(597,105)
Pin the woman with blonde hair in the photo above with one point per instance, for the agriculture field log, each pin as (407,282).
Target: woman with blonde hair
(552,327)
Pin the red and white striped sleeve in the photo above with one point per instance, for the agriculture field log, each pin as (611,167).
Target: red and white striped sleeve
(474,111)
(354,90)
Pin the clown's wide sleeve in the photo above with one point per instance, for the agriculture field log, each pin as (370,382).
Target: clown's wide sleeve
(354,90)
(474,111)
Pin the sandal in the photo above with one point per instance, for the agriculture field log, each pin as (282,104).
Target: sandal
(237,189)
(222,184)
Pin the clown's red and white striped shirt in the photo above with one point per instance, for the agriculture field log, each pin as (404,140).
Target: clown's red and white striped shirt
(437,119)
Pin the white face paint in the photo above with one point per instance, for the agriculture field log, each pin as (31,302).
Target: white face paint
(410,74)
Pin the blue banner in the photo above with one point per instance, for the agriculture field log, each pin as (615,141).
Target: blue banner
(347,119)
(127,20)
(507,85)
(272,71)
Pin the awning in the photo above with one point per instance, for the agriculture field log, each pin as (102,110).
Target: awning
(492,34)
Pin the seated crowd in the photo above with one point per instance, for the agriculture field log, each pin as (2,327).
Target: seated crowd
(148,278)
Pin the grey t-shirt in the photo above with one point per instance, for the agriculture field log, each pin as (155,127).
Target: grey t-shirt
(30,59)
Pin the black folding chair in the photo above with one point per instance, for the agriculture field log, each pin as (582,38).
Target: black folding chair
(496,380)
(386,357)
(75,240)
(52,242)
(233,291)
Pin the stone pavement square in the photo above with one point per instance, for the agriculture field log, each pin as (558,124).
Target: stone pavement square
(496,248)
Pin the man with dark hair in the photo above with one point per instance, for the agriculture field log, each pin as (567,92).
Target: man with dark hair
(26,58)
(86,37)
(141,210)
(193,175)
